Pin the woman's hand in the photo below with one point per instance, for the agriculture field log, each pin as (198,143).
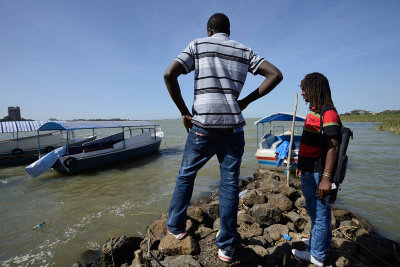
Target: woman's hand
(298,173)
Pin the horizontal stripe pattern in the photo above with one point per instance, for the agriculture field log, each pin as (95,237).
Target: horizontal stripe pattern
(219,78)
(310,130)
(330,124)
(221,56)
(221,66)
(275,159)
(216,90)
(310,143)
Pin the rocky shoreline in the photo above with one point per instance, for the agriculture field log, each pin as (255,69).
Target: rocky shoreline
(267,211)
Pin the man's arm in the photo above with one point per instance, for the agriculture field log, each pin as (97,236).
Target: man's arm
(330,162)
(171,81)
(273,77)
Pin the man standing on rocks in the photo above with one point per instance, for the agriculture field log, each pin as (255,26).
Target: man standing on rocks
(318,152)
(215,127)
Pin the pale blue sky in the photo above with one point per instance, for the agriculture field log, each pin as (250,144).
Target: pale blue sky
(106,59)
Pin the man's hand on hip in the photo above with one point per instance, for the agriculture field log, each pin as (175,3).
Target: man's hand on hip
(187,122)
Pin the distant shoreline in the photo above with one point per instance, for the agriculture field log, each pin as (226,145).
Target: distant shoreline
(388,122)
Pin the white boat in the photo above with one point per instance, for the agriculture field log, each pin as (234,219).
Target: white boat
(22,146)
(104,151)
(276,135)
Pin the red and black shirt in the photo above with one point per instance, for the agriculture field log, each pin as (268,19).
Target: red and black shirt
(310,143)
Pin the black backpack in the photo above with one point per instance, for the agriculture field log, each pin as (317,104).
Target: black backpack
(341,163)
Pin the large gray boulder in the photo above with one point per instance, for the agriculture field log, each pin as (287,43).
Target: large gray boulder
(276,231)
(266,214)
(90,257)
(289,192)
(269,186)
(245,218)
(157,230)
(177,261)
(195,213)
(253,197)
(341,215)
(298,220)
(280,201)
(263,174)
(203,231)
(169,245)
(117,251)
(210,212)
(300,202)
(249,230)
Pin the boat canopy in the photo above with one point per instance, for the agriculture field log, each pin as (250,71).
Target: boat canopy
(20,126)
(76,125)
(279,117)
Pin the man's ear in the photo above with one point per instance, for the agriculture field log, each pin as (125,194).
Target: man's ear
(210,32)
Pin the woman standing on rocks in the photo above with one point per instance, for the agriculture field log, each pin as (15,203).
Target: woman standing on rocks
(317,162)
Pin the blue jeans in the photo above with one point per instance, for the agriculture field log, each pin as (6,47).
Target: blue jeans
(201,145)
(319,211)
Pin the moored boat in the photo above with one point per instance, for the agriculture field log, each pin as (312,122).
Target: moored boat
(19,142)
(273,146)
(105,151)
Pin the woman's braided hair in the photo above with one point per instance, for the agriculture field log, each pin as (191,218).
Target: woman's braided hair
(318,92)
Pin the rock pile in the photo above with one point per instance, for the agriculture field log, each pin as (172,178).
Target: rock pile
(268,210)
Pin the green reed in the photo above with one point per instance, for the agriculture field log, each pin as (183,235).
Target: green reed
(390,120)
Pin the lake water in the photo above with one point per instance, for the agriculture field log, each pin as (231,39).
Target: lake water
(82,211)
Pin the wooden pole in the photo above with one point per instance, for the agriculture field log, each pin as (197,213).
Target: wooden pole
(291,142)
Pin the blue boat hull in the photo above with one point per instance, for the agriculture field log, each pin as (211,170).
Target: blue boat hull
(105,160)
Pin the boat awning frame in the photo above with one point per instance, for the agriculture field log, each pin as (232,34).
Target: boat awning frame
(282,116)
(78,125)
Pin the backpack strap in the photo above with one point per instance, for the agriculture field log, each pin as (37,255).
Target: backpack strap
(321,138)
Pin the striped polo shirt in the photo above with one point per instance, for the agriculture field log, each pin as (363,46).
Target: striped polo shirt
(221,67)
(309,150)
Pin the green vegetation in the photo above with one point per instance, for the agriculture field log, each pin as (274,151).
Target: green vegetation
(390,119)
(8,118)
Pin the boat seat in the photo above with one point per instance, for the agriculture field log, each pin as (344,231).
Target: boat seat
(268,141)
(276,144)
